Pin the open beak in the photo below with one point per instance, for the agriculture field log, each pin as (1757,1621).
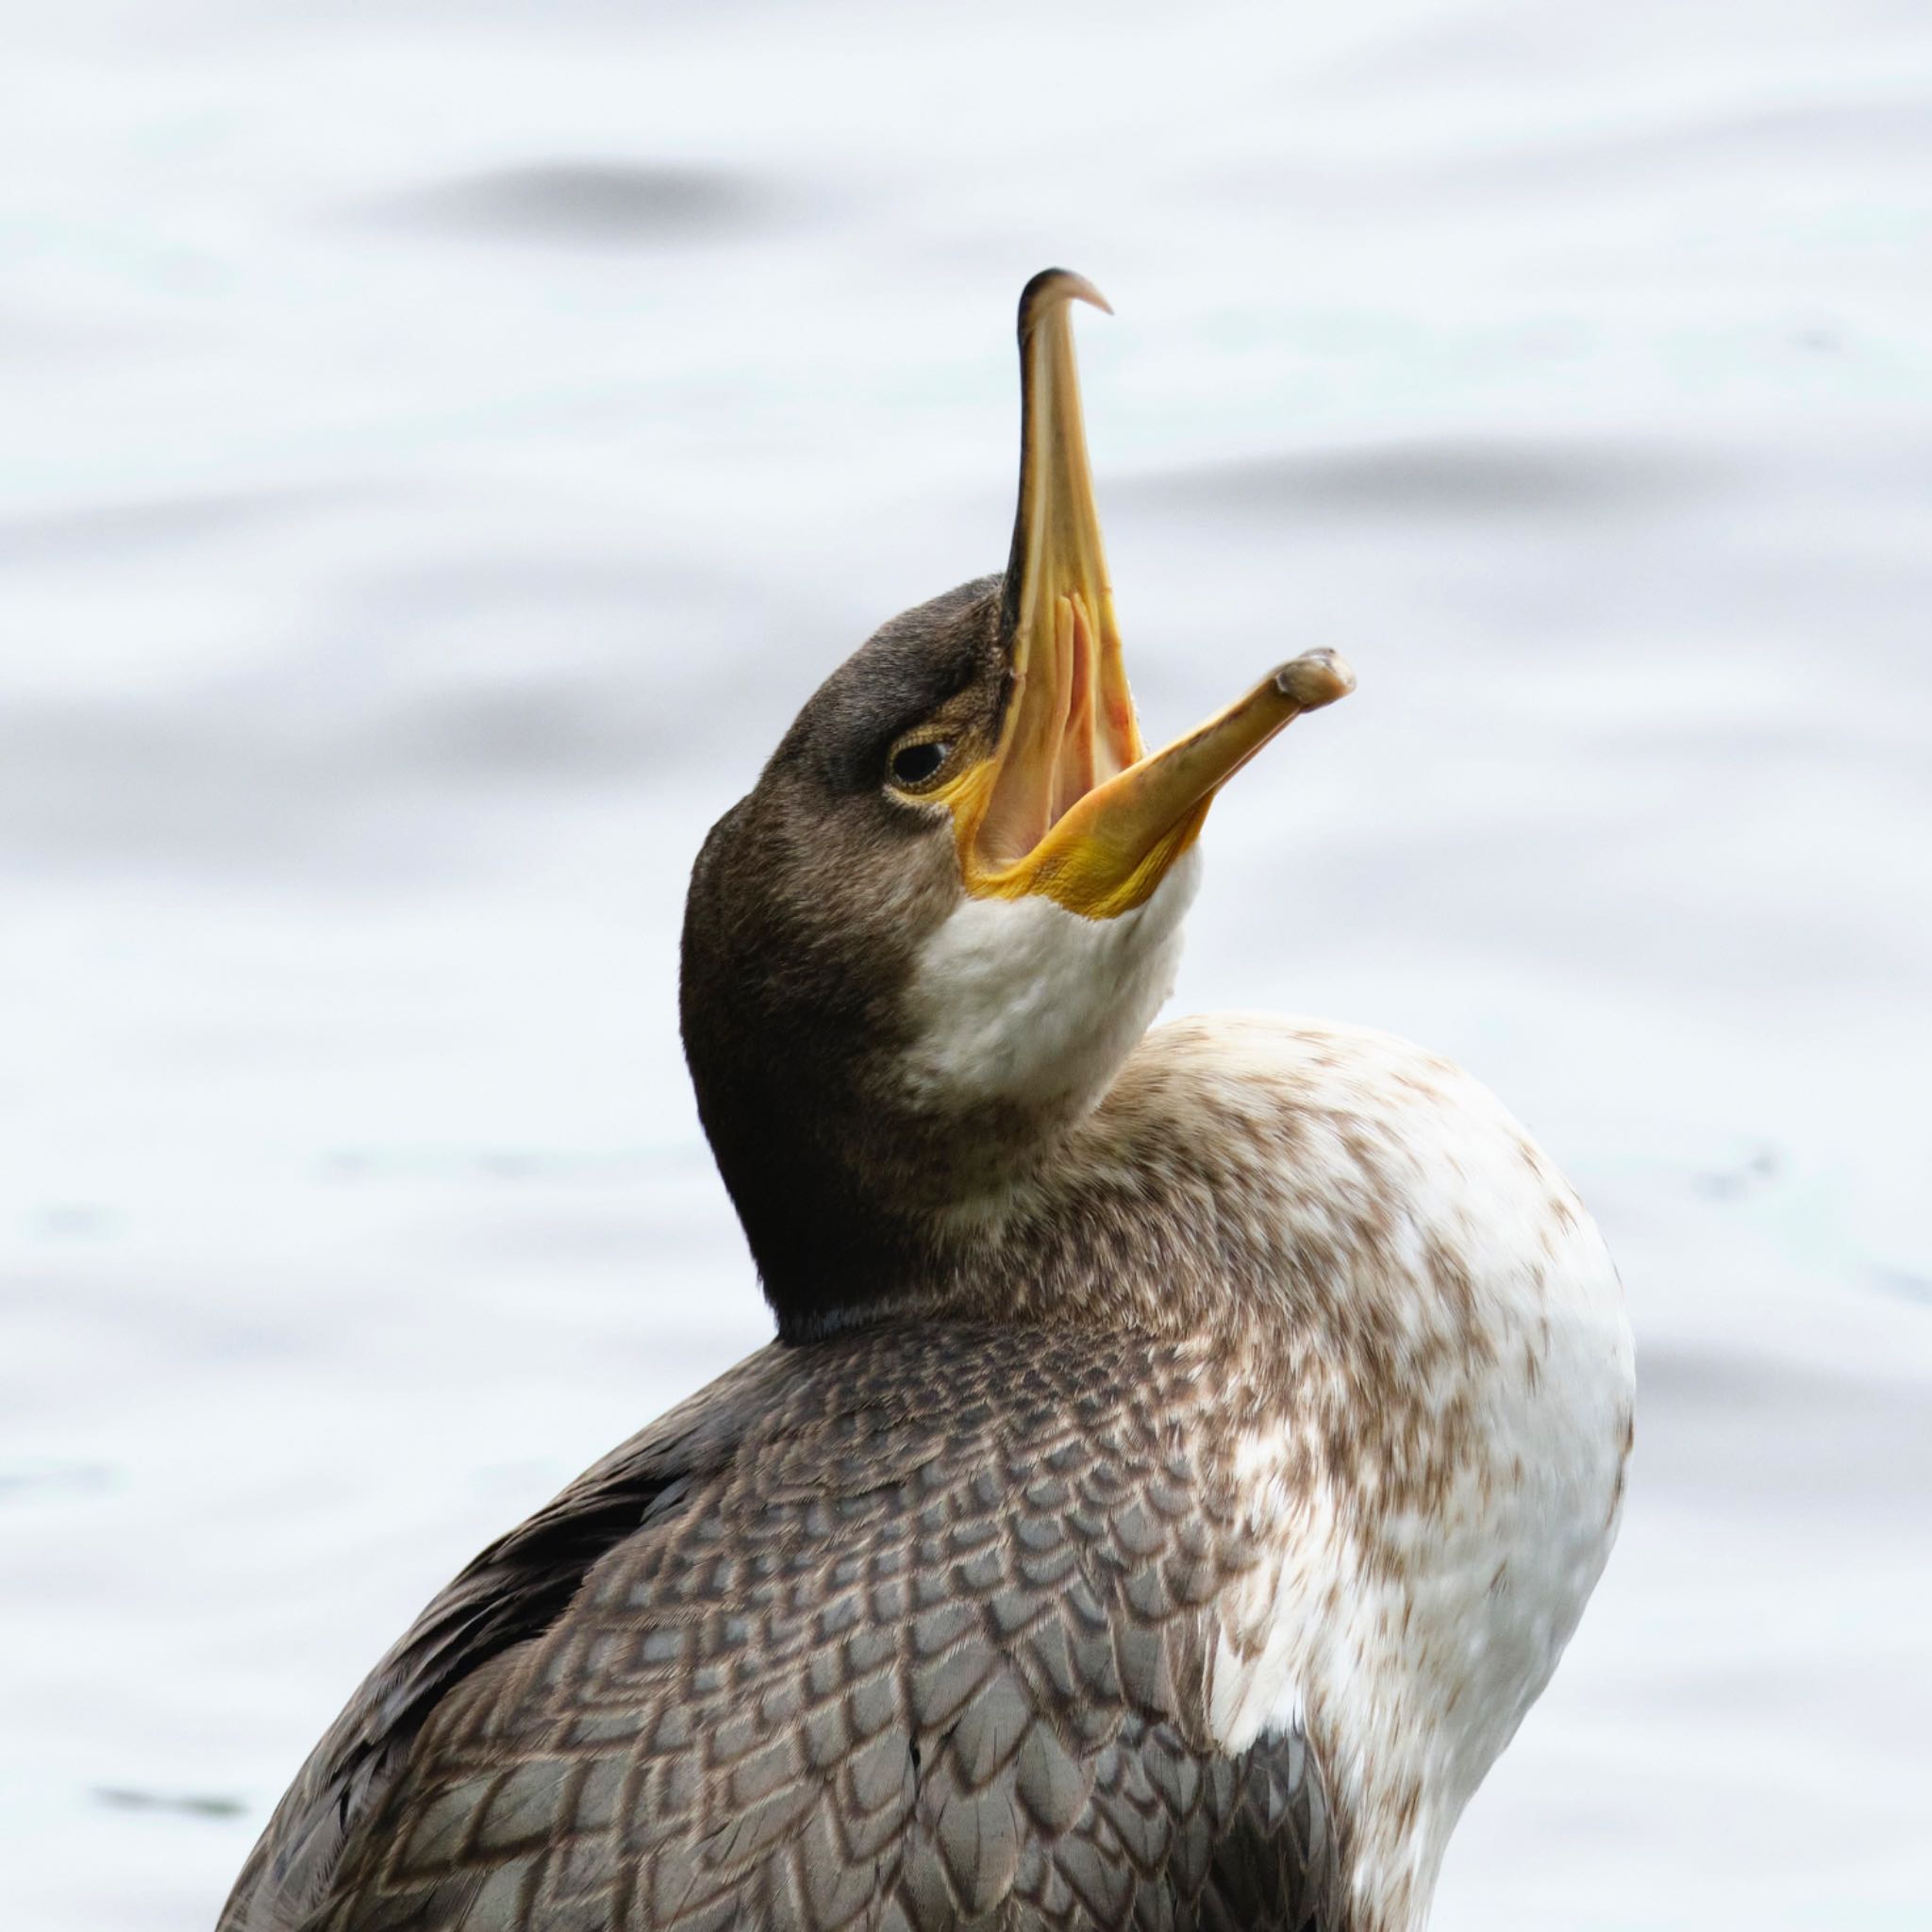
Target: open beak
(1069,806)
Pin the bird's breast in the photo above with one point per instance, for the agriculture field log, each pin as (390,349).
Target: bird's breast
(1428,1401)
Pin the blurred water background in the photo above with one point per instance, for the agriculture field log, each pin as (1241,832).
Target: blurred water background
(442,445)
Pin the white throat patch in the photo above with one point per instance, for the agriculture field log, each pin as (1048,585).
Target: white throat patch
(1021,1000)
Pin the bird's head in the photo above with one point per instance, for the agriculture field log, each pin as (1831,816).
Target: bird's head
(925,945)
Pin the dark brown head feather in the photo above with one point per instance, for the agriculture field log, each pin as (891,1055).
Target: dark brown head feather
(806,906)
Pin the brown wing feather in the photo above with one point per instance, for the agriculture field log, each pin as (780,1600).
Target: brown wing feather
(514,1591)
(907,1630)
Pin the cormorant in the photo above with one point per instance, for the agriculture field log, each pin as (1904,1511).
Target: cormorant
(1184,1453)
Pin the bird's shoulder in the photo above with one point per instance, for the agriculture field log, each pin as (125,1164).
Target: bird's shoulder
(508,1595)
(912,1626)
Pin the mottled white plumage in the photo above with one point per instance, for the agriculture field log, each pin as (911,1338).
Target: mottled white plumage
(1416,1637)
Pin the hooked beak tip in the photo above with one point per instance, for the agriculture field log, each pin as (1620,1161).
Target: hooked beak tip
(1049,289)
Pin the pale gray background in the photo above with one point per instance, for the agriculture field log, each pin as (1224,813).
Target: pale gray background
(443,444)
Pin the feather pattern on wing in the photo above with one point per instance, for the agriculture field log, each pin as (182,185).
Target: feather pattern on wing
(910,1628)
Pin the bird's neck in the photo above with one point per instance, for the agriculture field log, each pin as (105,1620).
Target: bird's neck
(914,1151)
(1194,1201)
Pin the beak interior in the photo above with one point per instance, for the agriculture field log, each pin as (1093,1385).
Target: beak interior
(1070,721)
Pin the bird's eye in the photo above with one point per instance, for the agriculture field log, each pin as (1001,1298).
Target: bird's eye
(913,764)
